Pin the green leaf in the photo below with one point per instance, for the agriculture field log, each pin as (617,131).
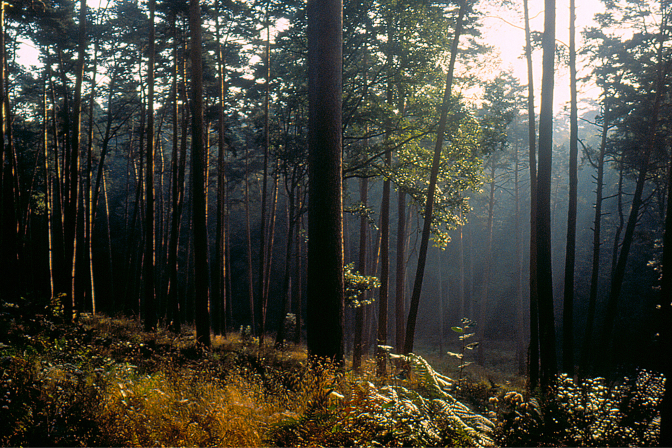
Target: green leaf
(457,329)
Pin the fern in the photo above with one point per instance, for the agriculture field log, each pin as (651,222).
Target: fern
(439,409)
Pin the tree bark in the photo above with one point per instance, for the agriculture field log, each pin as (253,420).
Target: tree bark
(533,361)
(548,361)
(570,252)
(325,213)
(429,206)
(150,237)
(362,268)
(586,353)
(202,312)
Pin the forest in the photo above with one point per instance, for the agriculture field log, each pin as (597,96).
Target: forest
(334,223)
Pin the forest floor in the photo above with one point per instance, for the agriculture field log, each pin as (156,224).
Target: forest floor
(102,381)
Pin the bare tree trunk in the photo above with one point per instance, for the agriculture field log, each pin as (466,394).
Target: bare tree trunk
(198,180)
(570,255)
(381,340)
(586,353)
(429,206)
(533,361)
(219,266)
(547,357)
(520,314)
(261,297)
(485,284)
(400,279)
(150,237)
(361,267)
(250,273)
(325,213)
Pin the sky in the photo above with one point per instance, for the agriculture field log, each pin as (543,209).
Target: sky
(505,30)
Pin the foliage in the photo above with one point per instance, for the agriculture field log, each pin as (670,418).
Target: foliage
(356,285)
(104,382)
(585,413)
(464,346)
(413,412)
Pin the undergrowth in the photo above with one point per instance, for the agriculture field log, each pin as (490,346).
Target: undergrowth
(104,382)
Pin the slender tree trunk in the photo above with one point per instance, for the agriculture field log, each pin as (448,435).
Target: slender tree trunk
(381,340)
(72,210)
(586,353)
(429,206)
(361,267)
(664,309)
(520,314)
(400,279)
(261,298)
(544,260)
(219,265)
(485,284)
(198,180)
(533,361)
(47,180)
(325,213)
(150,237)
(250,273)
(570,253)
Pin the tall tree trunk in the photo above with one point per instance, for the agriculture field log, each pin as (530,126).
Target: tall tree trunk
(619,272)
(250,273)
(179,161)
(325,213)
(150,237)
(664,309)
(9,237)
(90,211)
(429,206)
(261,298)
(586,353)
(381,340)
(485,284)
(520,312)
(548,361)
(219,264)
(71,208)
(533,361)
(361,267)
(400,279)
(570,253)
(198,180)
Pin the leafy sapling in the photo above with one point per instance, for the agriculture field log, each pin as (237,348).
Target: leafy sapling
(463,336)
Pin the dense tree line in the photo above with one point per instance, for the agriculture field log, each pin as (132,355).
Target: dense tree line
(159,162)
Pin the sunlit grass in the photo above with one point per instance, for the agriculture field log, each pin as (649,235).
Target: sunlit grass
(105,382)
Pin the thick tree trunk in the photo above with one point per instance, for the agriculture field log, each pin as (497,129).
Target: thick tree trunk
(429,206)
(325,213)
(548,361)
(202,313)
